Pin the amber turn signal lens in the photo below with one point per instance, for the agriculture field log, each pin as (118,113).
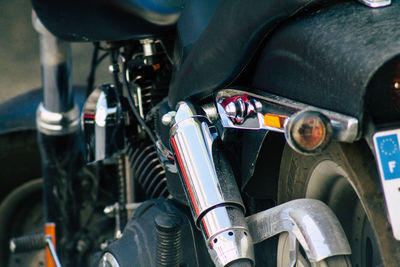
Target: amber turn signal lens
(275,121)
(309,132)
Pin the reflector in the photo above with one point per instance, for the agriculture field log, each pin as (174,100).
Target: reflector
(275,121)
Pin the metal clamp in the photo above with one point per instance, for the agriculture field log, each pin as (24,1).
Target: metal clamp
(113,211)
(55,123)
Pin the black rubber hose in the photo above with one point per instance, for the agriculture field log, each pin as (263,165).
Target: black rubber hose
(93,65)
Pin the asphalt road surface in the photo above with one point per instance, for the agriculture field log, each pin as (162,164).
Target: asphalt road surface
(19,52)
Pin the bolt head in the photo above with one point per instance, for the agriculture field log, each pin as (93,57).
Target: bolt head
(168,119)
(257,105)
(230,109)
(113,68)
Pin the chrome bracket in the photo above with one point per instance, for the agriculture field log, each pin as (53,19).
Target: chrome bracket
(310,221)
(345,128)
(376,3)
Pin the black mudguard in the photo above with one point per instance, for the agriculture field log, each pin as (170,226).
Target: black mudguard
(19,113)
(328,59)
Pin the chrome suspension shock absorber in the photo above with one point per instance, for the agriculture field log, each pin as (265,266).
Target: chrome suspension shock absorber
(211,189)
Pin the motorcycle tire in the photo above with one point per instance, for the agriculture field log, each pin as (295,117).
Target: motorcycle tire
(344,176)
(283,257)
(20,195)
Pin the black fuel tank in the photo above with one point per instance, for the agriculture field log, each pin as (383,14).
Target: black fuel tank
(329,58)
(108,20)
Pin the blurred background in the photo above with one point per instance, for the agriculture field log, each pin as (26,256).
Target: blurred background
(19,52)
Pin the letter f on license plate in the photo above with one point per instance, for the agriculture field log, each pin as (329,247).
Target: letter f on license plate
(387,150)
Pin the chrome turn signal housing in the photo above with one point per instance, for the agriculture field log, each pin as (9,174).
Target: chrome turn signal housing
(308,132)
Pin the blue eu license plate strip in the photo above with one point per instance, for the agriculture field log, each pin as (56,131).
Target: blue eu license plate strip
(387,151)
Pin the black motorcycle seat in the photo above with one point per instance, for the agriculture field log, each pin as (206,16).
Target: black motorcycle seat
(228,43)
(108,20)
(160,12)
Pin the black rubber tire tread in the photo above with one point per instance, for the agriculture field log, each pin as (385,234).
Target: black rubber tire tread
(357,160)
(10,208)
(20,164)
(19,160)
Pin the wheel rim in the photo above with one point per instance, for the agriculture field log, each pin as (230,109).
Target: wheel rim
(283,253)
(331,184)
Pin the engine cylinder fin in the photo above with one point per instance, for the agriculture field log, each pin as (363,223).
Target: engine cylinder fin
(147,160)
(147,170)
(154,170)
(161,185)
(140,157)
(165,192)
(132,154)
(159,177)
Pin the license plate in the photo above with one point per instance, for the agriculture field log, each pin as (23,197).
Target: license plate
(387,150)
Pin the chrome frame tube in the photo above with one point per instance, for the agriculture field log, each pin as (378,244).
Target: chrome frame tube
(60,143)
(57,115)
(55,58)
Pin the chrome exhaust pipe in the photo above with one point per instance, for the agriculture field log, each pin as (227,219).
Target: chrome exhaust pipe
(211,189)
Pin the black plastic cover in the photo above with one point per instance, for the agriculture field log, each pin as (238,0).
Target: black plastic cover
(329,58)
(228,42)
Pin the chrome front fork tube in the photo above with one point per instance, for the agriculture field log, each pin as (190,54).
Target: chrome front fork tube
(211,189)
(57,120)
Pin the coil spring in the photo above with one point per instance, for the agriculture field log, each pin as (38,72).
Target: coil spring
(148,171)
(122,198)
(146,88)
(152,92)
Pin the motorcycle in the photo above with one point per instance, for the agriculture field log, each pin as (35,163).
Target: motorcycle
(235,133)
